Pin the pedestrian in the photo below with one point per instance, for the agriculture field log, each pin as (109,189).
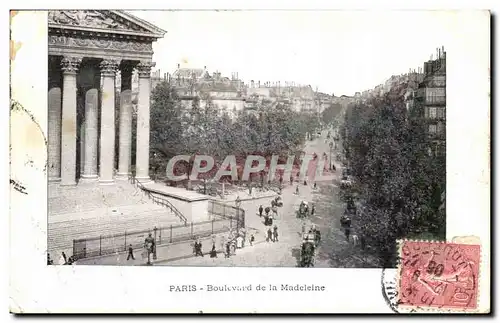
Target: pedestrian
(228,250)
(315,186)
(65,259)
(197,248)
(267,210)
(260,210)
(281,180)
(305,182)
(213,252)
(297,190)
(345,222)
(61,260)
(269,235)
(313,209)
(275,234)
(130,252)
(291,179)
(266,220)
(49,261)
(252,239)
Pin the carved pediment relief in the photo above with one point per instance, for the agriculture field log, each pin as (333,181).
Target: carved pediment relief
(91,19)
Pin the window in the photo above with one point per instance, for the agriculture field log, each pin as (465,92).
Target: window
(435,95)
(432,112)
(441,128)
(441,113)
(439,80)
(432,128)
(441,149)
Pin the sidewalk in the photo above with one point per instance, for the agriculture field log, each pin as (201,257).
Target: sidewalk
(167,252)
(244,196)
(284,253)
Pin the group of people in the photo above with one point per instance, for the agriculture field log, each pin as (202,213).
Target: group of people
(63,259)
(272,235)
(268,218)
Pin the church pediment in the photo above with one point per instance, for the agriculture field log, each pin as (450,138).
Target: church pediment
(115,21)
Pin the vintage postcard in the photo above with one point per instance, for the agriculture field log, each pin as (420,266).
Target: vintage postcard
(250,161)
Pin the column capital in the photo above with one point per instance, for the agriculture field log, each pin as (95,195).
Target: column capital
(109,67)
(70,64)
(144,69)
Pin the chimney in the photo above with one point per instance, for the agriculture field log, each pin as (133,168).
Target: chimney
(437,53)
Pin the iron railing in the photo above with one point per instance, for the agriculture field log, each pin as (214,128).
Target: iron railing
(225,218)
(158,200)
(226,211)
(120,242)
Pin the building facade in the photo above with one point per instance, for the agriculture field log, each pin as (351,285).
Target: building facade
(86,49)
(430,101)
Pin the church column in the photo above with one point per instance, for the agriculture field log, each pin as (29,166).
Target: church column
(54,119)
(68,136)
(142,147)
(90,135)
(125,134)
(107,156)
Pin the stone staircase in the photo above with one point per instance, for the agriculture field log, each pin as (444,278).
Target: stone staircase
(90,210)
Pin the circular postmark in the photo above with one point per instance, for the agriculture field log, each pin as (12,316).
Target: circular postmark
(390,290)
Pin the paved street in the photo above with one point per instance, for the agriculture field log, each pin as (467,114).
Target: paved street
(334,250)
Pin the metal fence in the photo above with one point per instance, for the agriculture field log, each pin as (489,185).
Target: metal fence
(226,211)
(225,218)
(112,243)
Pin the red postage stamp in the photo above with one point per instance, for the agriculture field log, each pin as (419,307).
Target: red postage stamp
(439,275)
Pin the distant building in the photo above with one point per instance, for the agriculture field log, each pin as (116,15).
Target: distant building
(299,97)
(430,100)
(195,83)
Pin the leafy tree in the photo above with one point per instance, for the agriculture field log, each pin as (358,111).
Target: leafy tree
(329,114)
(400,182)
(166,127)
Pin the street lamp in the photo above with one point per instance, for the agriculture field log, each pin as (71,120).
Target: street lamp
(154,244)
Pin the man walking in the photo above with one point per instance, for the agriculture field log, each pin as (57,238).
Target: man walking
(260,210)
(130,252)
(149,245)
(269,235)
(275,234)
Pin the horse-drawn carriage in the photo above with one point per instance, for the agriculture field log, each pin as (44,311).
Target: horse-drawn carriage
(303,210)
(277,202)
(307,250)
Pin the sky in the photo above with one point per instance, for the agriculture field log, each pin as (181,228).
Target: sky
(338,52)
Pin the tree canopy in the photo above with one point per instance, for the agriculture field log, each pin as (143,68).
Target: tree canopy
(399,182)
(200,127)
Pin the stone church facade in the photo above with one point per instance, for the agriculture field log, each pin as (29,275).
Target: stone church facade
(86,51)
